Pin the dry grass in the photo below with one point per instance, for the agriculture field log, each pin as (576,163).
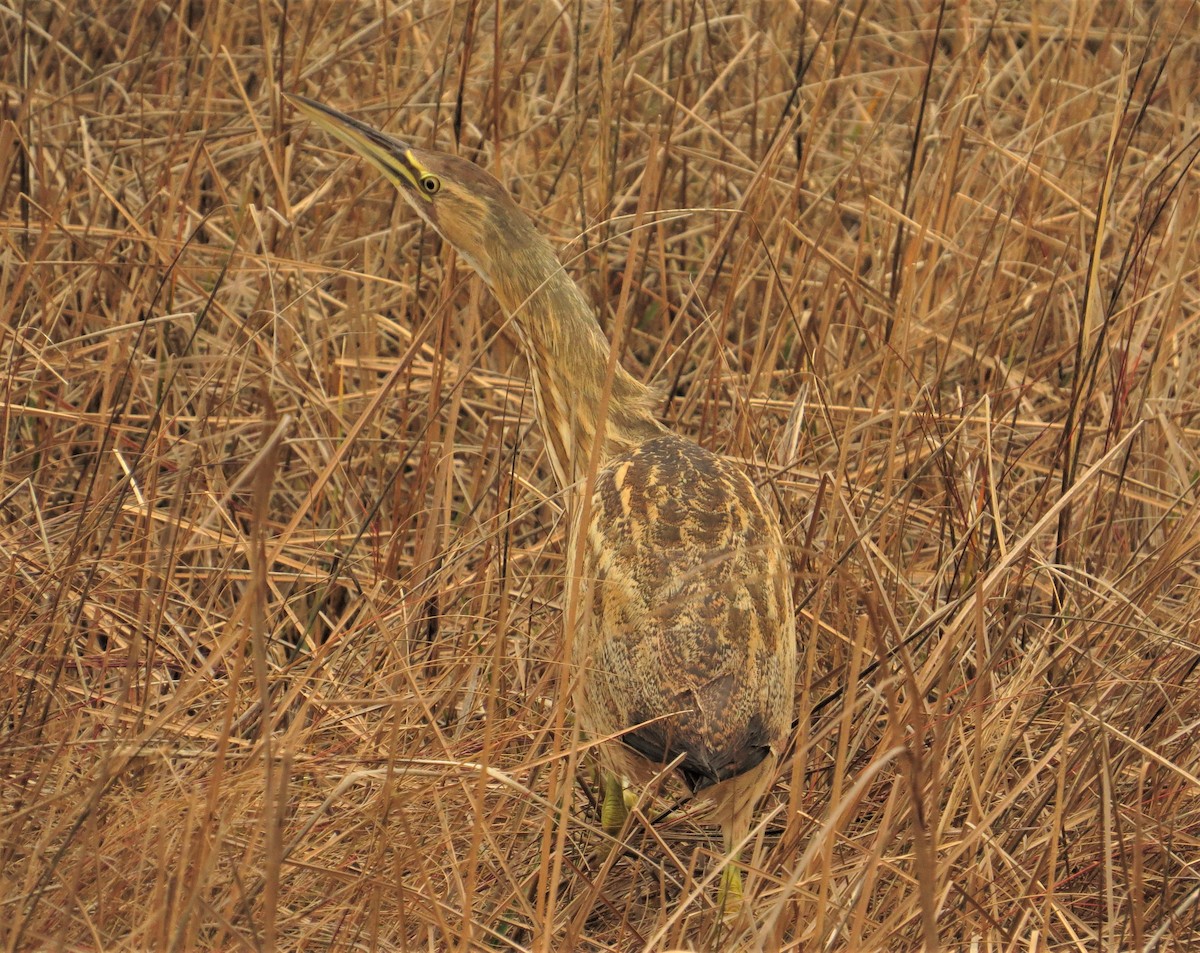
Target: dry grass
(281,549)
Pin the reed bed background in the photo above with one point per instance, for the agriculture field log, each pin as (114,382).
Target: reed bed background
(281,550)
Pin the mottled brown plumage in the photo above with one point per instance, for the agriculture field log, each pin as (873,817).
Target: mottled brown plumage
(689,644)
(686,638)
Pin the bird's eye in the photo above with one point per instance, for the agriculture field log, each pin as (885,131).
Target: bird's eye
(431,184)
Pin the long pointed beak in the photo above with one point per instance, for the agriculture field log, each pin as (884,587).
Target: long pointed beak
(390,156)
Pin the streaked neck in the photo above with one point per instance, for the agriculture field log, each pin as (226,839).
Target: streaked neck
(568,359)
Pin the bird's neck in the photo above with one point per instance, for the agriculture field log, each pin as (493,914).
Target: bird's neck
(569,362)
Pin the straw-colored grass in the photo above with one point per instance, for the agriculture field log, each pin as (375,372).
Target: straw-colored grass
(281,551)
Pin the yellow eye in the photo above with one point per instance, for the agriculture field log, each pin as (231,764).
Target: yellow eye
(430,184)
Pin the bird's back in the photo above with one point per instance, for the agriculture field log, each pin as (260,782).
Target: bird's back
(687,641)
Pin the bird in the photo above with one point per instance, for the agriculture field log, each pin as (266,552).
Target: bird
(684,650)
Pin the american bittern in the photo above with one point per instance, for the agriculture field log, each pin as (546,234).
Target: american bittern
(686,642)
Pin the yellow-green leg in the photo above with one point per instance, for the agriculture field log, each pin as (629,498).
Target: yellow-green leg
(729,894)
(613,809)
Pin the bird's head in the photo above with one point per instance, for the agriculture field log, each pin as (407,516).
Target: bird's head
(467,206)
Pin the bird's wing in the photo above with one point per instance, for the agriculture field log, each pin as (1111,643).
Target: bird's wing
(688,610)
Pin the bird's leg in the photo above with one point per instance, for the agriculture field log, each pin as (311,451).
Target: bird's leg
(613,809)
(736,825)
(729,894)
